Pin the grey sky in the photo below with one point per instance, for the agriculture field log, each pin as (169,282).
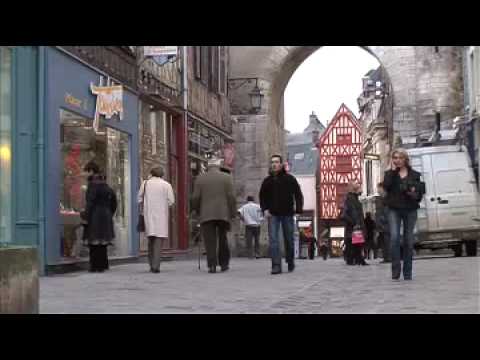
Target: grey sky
(330,76)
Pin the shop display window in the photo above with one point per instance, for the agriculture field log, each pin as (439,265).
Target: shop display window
(109,149)
(5,146)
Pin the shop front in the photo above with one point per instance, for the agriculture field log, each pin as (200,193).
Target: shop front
(159,148)
(89,118)
(205,141)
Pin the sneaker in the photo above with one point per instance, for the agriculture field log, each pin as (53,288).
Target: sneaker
(212,269)
(291,267)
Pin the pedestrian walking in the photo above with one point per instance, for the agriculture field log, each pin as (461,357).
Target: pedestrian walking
(280,198)
(252,216)
(352,215)
(91,168)
(323,242)
(404,192)
(383,229)
(370,227)
(312,243)
(214,202)
(155,198)
(100,208)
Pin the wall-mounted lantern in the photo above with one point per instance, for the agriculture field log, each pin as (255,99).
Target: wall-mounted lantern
(255,94)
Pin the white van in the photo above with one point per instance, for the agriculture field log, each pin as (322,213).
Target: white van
(446,218)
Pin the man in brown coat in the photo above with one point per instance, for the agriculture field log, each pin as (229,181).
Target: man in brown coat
(213,200)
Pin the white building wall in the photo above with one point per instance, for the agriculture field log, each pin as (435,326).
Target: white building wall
(307,185)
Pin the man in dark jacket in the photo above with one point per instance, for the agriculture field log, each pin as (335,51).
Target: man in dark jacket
(278,195)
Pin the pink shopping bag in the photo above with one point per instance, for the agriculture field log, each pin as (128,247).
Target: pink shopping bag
(357,237)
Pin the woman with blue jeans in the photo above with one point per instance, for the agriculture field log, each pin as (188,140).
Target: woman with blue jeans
(404,193)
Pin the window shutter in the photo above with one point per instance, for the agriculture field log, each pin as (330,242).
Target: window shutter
(222,73)
(197,55)
(213,69)
(204,65)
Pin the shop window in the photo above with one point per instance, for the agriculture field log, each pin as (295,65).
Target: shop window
(108,148)
(5,145)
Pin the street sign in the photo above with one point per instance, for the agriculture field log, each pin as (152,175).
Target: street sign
(371,157)
(160,50)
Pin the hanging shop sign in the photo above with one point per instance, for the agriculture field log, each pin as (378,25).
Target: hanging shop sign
(371,157)
(160,50)
(228,155)
(109,102)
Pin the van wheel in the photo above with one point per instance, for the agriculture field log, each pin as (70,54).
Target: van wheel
(471,247)
(457,250)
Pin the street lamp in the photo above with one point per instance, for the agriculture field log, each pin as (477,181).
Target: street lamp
(255,94)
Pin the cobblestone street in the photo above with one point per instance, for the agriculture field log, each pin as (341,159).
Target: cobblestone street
(440,285)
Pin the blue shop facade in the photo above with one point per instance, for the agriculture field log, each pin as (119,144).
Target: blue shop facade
(50,136)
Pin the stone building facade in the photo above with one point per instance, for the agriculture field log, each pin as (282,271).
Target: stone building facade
(424,80)
(209,125)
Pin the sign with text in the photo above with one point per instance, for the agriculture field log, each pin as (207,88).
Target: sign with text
(371,157)
(160,50)
(109,102)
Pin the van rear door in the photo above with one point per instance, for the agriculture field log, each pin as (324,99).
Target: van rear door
(456,196)
(427,214)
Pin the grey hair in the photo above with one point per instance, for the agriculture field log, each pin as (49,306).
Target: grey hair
(157,171)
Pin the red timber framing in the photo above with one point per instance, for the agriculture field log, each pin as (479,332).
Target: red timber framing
(340,160)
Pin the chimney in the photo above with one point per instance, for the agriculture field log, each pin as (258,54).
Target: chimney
(315,134)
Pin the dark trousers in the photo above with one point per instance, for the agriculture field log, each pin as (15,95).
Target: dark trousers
(357,254)
(348,251)
(98,257)
(371,247)
(252,232)
(395,219)
(211,232)
(311,250)
(384,244)
(154,252)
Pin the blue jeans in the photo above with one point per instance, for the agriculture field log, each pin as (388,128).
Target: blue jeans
(273,235)
(409,219)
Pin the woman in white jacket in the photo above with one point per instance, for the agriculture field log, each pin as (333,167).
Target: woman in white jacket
(156,197)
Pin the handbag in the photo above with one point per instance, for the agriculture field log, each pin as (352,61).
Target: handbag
(357,237)
(141,218)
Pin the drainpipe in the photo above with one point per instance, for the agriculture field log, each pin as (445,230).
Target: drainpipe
(41,156)
(183,233)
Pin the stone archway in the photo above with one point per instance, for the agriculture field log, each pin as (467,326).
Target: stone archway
(423,80)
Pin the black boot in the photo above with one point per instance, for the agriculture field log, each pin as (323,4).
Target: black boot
(276,269)
(291,267)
